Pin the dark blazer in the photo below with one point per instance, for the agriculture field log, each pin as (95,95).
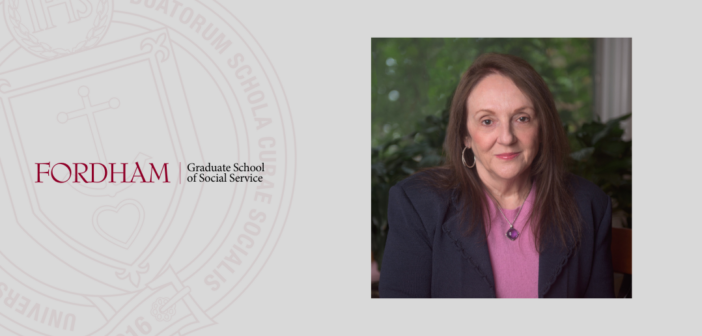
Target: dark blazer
(428,255)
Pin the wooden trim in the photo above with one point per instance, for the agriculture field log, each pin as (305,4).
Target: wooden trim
(621,250)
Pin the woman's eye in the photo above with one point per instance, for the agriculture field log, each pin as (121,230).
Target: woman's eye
(487,122)
(523,119)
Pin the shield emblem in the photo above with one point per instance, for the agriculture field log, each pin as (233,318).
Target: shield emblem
(123,233)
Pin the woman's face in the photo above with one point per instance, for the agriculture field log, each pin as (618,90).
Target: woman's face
(503,128)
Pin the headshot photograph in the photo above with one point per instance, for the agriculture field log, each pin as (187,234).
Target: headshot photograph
(501,167)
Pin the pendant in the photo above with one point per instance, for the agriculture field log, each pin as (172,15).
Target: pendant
(512,234)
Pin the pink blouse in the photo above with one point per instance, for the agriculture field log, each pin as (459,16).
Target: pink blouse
(515,264)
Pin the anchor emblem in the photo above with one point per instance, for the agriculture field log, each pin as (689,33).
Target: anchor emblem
(102,188)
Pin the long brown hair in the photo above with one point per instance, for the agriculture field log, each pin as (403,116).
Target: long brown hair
(554,214)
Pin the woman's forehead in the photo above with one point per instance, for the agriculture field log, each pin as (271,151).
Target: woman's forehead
(497,93)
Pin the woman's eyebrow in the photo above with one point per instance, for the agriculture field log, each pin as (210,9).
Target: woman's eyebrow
(484,110)
(523,108)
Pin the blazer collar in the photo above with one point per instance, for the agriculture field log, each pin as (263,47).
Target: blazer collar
(552,265)
(474,249)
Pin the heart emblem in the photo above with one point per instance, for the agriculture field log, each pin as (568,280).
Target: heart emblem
(119,224)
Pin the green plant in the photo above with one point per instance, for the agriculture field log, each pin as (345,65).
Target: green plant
(396,159)
(598,154)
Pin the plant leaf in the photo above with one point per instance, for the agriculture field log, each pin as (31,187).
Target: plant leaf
(583,154)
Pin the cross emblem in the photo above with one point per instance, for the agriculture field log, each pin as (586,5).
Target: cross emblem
(89,111)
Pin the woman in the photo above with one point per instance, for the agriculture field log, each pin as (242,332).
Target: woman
(502,218)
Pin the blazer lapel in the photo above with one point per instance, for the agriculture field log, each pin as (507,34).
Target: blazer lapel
(473,247)
(552,262)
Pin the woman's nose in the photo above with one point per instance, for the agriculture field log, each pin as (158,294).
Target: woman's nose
(506,136)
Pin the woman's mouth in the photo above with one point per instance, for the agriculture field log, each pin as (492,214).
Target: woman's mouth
(507,156)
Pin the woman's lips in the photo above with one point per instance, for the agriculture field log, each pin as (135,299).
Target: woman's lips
(507,156)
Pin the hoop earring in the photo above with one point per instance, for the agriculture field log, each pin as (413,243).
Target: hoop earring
(463,158)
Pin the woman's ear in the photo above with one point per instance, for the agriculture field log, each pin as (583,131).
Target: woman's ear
(466,141)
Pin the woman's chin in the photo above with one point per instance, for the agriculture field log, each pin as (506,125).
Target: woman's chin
(508,174)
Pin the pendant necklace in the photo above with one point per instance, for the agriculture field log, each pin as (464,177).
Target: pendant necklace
(512,233)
